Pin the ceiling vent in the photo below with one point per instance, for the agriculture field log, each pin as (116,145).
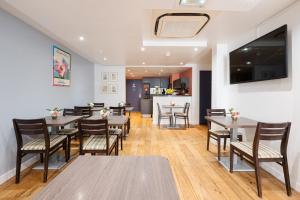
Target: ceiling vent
(180,25)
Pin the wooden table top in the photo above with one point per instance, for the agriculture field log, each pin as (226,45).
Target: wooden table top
(113,178)
(127,108)
(62,120)
(171,106)
(113,120)
(227,122)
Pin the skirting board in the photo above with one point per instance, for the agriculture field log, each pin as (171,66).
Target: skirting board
(279,176)
(6,176)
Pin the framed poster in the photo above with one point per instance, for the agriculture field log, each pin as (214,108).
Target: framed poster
(104,76)
(114,76)
(104,89)
(113,88)
(61,67)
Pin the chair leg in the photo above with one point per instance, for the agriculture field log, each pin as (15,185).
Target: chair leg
(286,176)
(67,150)
(188,122)
(208,138)
(18,166)
(46,166)
(117,147)
(69,146)
(219,148)
(158,121)
(257,176)
(41,157)
(224,148)
(184,122)
(231,158)
(121,143)
(175,121)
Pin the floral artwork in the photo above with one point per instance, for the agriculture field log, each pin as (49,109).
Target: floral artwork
(61,67)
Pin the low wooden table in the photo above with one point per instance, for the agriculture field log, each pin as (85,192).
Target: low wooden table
(233,126)
(113,178)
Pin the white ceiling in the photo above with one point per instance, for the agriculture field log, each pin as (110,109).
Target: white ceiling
(116,29)
(152,71)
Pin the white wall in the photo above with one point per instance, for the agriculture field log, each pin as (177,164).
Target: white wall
(268,101)
(26,83)
(110,99)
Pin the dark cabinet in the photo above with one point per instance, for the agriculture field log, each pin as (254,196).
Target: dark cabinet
(160,82)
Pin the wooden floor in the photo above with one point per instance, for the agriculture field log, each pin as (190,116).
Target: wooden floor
(197,173)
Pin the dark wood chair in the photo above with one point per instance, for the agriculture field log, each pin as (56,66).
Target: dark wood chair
(256,152)
(84,111)
(165,115)
(99,105)
(69,132)
(42,143)
(217,134)
(183,115)
(118,110)
(98,140)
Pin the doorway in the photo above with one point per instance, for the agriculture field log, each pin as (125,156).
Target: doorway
(134,93)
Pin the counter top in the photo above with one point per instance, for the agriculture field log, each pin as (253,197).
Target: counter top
(172,95)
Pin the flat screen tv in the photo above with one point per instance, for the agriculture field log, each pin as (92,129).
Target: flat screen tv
(262,59)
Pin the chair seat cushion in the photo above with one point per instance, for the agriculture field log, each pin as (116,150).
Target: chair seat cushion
(115,131)
(39,143)
(166,114)
(180,114)
(98,142)
(68,131)
(263,150)
(220,132)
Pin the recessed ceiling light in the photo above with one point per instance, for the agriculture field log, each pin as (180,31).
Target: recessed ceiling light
(143,63)
(161,70)
(168,53)
(81,38)
(128,70)
(143,49)
(192,2)
(104,58)
(181,63)
(196,49)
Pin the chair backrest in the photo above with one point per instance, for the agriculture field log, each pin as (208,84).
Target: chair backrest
(32,127)
(186,107)
(93,127)
(214,112)
(83,110)
(158,108)
(272,131)
(69,112)
(99,105)
(119,110)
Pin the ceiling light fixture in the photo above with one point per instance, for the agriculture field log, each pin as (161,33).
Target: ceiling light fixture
(181,63)
(161,70)
(143,63)
(81,38)
(128,70)
(143,49)
(192,2)
(196,49)
(104,58)
(168,53)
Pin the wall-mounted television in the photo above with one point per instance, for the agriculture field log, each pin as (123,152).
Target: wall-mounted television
(262,59)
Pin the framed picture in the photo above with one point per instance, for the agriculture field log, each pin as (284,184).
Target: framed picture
(113,88)
(114,76)
(104,89)
(104,76)
(61,67)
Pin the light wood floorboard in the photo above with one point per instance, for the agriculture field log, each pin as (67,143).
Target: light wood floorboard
(197,173)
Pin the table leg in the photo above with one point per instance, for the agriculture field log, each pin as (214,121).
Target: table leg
(238,164)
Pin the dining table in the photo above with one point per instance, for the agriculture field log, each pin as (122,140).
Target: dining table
(113,178)
(171,108)
(233,125)
(57,161)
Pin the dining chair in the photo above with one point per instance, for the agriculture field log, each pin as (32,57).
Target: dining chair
(99,138)
(99,105)
(184,115)
(84,111)
(41,142)
(117,110)
(70,132)
(164,115)
(217,134)
(257,152)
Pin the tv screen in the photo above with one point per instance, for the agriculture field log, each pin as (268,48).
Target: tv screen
(263,59)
